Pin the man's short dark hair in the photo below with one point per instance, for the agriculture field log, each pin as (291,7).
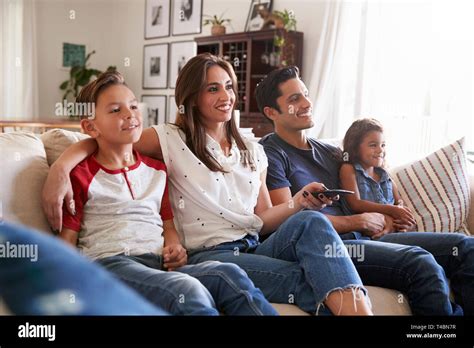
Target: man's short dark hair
(268,91)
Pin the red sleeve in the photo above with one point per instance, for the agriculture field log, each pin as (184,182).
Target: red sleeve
(81,178)
(166,212)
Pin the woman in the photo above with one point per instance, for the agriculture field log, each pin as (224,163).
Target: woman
(222,205)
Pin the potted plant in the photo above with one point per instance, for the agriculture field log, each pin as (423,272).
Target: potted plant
(217,23)
(281,38)
(288,19)
(79,76)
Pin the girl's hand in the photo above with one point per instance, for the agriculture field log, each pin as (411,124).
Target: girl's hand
(401,226)
(174,256)
(56,189)
(403,214)
(305,199)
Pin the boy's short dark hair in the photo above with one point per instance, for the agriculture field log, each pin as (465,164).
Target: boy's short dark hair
(90,92)
(268,91)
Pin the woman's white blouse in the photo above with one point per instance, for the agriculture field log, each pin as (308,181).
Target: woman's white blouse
(211,207)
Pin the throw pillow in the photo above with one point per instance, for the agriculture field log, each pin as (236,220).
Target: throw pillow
(23,171)
(57,140)
(436,189)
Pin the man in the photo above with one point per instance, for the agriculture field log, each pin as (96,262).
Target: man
(296,160)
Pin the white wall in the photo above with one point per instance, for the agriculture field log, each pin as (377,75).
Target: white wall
(115,29)
(308,14)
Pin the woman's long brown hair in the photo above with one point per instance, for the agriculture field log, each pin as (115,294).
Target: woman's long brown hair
(191,81)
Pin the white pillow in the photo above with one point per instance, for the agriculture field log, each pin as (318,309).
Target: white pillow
(57,140)
(23,171)
(436,188)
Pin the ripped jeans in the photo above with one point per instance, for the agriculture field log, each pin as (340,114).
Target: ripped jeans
(300,263)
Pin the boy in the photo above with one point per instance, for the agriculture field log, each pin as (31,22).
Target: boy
(123,219)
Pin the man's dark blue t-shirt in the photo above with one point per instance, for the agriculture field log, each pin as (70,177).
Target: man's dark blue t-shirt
(291,167)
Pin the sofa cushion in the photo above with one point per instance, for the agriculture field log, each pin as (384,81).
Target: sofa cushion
(24,170)
(288,309)
(436,189)
(384,302)
(4,310)
(388,302)
(57,140)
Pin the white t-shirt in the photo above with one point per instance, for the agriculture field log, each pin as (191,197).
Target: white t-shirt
(119,211)
(211,207)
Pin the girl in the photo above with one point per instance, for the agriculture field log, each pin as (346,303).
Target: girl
(364,173)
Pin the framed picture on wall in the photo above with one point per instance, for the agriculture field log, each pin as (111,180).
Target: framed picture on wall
(73,55)
(173,110)
(187,17)
(155,66)
(157,18)
(254,20)
(180,53)
(155,106)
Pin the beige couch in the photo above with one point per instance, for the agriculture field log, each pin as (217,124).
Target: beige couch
(25,160)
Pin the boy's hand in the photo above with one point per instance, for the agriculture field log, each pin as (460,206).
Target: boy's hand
(174,256)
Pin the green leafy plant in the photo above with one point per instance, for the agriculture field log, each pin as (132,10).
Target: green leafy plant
(79,76)
(288,18)
(280,39)
(215,20)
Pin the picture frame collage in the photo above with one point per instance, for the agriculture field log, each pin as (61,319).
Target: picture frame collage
(162,62)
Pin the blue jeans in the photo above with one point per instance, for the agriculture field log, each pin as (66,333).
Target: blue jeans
(418,264)
(408,269)
(452,256)
(202,289)
(52,278)
(292,265)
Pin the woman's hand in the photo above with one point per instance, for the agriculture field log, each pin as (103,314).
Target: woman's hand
(57,189)
(305,199)
(174,256)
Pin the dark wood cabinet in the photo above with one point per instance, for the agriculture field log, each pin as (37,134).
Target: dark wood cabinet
(253,55)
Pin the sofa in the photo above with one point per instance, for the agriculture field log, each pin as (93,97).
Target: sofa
(25,160)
